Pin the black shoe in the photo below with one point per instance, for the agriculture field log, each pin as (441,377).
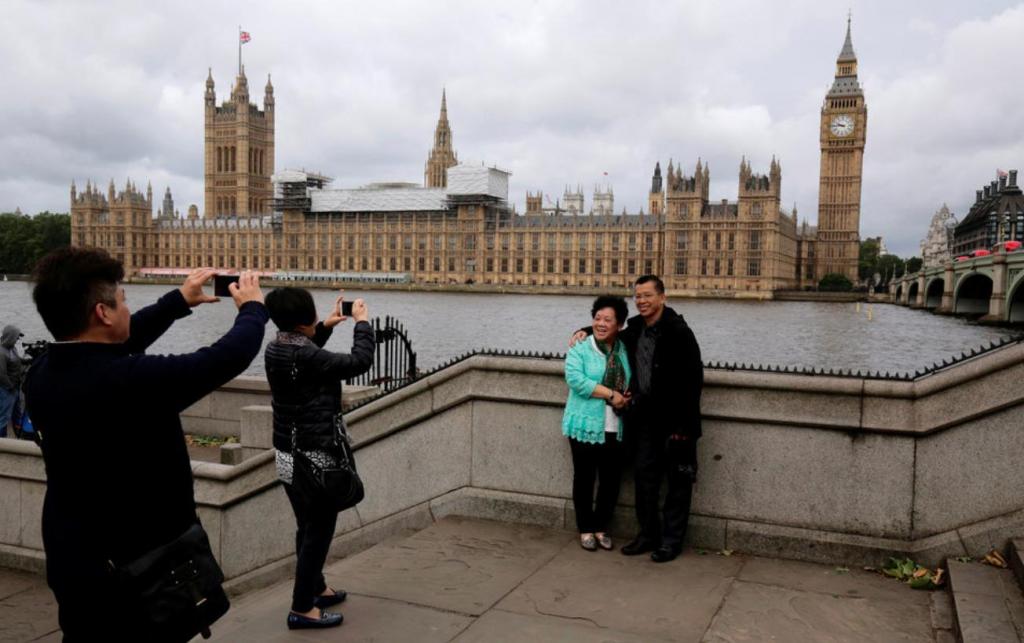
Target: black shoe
(665,554)
(327,619)
(339,596)
(638,546)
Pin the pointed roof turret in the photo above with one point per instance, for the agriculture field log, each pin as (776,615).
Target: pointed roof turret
(444,103)
(847,52)
(846,83)
(209,78)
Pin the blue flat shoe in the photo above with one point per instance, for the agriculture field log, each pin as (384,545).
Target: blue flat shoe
(339,596)
(327,619)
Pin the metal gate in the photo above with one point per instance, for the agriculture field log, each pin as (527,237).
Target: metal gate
(394,361)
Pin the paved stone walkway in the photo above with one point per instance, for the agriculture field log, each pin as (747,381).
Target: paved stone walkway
(469,580)
(27,609)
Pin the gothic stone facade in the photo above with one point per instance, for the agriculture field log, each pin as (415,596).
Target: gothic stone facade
(435,234)
(239,151)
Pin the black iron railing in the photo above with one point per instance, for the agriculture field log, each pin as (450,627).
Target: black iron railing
(394,362)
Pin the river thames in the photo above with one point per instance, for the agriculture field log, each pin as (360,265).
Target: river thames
(445,325)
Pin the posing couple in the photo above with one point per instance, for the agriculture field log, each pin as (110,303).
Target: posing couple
(641,384)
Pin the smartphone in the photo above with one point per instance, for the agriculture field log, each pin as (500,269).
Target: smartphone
(221,283)
(346,308)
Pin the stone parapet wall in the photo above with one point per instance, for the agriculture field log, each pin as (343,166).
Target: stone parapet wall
(220,413)
(843,470)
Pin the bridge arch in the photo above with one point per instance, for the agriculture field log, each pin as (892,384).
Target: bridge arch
(899,294)
(933,292)
(973,294)
(1015,301)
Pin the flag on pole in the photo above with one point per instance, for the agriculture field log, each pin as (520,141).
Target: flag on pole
(1000,173)
(605,173)
(244,37)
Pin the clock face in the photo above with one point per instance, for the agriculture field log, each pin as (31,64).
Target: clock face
(842,125)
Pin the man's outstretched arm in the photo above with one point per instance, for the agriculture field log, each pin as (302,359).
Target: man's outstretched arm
(149,323)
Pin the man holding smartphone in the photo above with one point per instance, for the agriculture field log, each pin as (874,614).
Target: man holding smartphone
(119,478)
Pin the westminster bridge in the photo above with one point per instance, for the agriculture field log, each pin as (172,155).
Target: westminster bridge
(991,287)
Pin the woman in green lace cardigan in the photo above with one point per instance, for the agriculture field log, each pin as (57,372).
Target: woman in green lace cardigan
(597,372)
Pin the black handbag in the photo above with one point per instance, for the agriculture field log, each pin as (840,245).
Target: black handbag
(175,590)
(338,487)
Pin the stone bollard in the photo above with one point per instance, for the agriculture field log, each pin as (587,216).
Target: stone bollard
(231,453)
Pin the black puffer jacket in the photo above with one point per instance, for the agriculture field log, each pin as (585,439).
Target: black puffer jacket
(305,384)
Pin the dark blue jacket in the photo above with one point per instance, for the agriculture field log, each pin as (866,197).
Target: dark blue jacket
(119,479)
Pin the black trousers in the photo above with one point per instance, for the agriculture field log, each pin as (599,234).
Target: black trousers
(312,542)
(653,464)
(602,462)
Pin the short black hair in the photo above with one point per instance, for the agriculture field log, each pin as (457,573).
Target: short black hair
(618,304)
(69,282)
(659,285)
(290,307)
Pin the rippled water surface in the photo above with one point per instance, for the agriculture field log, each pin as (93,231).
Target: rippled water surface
(443,325)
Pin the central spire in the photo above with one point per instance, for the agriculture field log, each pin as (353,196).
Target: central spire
(443,155)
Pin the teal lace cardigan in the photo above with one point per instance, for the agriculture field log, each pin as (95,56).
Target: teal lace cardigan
(583,419)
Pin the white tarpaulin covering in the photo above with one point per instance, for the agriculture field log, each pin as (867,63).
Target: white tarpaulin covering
(472,180)
(379,200)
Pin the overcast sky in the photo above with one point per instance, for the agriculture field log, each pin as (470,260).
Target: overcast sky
(556,92)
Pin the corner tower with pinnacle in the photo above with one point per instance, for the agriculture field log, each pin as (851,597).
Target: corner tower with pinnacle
(442,157)
(844,120)
(239,151)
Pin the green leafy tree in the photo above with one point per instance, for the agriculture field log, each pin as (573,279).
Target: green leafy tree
(835,282)
(890,266)
(24,239)
(914,264)
(868,262)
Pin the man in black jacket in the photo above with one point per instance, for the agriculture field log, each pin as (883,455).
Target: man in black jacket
(663,421)
(119,479)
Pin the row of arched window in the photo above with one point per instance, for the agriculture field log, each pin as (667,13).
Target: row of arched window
(227,159)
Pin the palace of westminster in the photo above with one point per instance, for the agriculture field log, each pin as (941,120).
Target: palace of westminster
(459,228)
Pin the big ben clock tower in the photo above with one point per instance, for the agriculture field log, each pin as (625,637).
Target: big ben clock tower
(844,120)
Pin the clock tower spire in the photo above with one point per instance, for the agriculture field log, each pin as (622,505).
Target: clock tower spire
(844,120)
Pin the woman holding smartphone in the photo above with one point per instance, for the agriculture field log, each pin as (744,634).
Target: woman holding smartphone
(305,387)
(597,372)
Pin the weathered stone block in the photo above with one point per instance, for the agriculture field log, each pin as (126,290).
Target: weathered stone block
(416,465)
(257,427)
(10,509)
(520,448)
(781,405)
(815,479)
(969,473)
(227,405)
(32,495)
(994,533)
(256,532)
(211,521)
(231,453)
(363,427)
(209,426)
